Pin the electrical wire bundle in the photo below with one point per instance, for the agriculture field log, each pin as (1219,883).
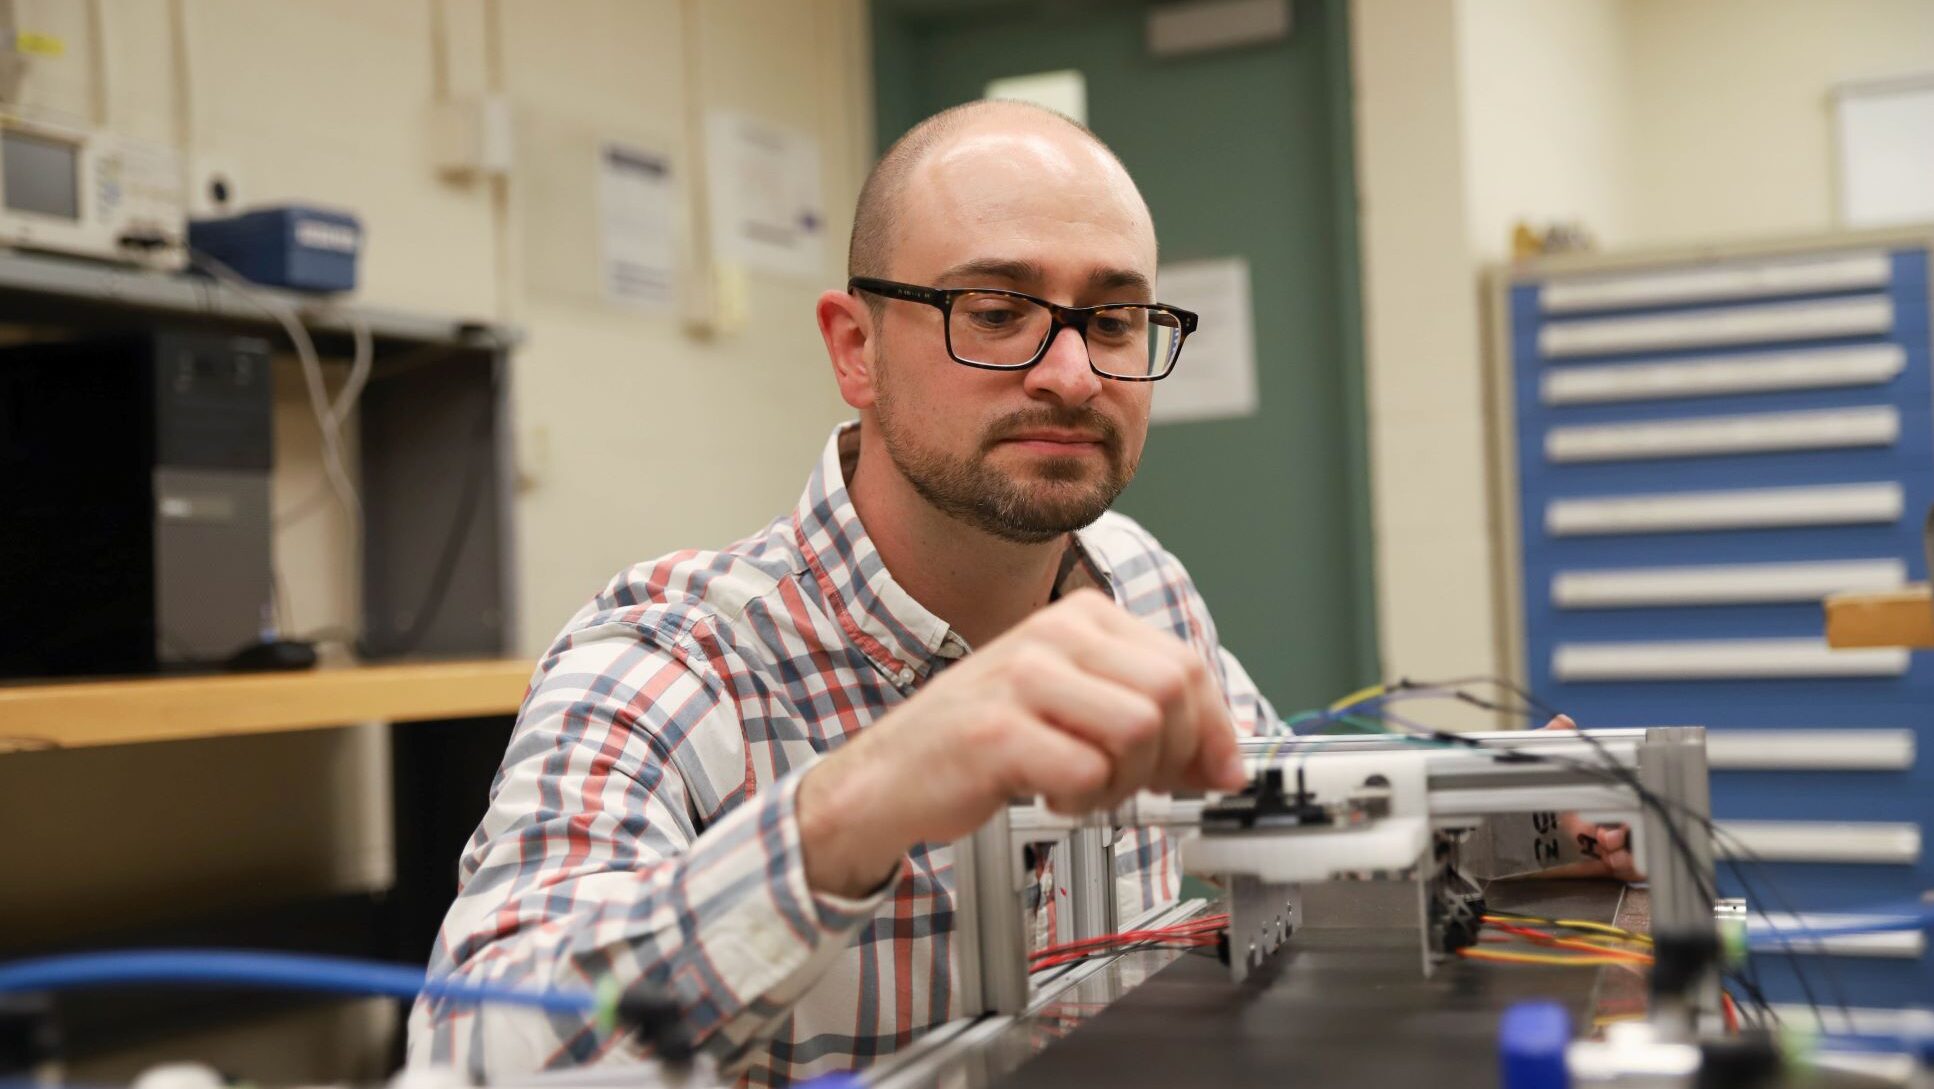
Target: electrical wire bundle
(1202,932)
(1600,943)
(1371,710)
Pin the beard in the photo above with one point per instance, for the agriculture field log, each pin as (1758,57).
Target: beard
(1046,499)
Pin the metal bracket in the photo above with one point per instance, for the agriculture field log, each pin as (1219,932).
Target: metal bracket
(988,921)
(1091,882)
(1672,767)
(1262,915)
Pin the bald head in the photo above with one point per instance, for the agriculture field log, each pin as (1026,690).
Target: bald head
(880,214)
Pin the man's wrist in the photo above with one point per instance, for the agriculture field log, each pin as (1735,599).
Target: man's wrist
(841,833)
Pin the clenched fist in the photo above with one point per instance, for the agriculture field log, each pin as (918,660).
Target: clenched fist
(1081,704)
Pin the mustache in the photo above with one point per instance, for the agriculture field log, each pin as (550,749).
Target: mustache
(1064,417)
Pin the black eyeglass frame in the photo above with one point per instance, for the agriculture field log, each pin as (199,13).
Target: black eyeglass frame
(1060,317)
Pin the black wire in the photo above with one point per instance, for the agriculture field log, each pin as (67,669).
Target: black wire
(1750,984)
(1786,948)
(1629,779)
(1661,806)
(1619,773)
(1738,869)
(1739,874)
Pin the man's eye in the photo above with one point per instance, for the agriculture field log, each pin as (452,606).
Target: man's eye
(995,317)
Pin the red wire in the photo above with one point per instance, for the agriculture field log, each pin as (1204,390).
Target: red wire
(1126,937)
(1069,958)
(1206,924)
(1543,938)
(1191,931)
(1731,1011)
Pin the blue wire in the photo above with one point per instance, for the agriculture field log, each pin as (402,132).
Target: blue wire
(291,971)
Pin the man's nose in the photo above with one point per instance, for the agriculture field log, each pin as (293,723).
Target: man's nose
(1063,373)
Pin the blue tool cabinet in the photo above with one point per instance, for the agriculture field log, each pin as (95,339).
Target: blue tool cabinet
(1698,449)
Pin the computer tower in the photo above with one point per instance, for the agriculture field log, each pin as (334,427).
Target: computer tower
(135,527)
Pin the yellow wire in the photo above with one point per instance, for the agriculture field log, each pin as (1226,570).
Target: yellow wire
(1603,928)
(1610,945)
(1618,933)
(1357,697)
(1541,958)
(1353,698)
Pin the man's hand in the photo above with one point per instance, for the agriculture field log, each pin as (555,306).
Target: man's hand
(1607,847)
(1081,704)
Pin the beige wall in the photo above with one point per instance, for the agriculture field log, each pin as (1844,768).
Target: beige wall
(1426,433)
(634,437)
(1547,117)
(637,438)
(1732,124)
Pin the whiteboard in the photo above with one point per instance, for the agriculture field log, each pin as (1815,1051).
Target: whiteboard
(1885,152)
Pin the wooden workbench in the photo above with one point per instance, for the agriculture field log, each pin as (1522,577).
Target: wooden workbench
(117,712)
(1889,618)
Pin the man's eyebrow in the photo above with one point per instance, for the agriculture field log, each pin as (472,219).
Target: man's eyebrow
(982,269)
(1118,279)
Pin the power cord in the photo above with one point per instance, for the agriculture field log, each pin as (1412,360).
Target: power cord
(641,1007)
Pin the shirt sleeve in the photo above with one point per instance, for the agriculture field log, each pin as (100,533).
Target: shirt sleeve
(591,868)
(1249,709)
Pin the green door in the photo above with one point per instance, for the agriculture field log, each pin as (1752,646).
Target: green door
(1240,152)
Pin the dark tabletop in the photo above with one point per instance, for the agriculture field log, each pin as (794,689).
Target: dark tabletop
(1337,1008)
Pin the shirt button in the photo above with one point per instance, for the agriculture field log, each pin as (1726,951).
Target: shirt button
(903,678)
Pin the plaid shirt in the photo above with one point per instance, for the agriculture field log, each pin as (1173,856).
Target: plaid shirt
(642,824)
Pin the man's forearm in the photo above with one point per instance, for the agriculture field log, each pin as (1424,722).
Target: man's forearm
(734,963)
(850,850)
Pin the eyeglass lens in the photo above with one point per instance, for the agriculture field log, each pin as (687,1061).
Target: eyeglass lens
(1003,331)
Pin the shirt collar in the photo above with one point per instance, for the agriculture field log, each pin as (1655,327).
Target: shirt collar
(897,633)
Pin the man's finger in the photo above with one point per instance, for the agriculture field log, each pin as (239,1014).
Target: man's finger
(1069,772)
(1111,716)
(1218,763)
(1215,761)
(1199,747)
(1119,721)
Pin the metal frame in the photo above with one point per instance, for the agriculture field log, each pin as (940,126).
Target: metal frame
(1463,786)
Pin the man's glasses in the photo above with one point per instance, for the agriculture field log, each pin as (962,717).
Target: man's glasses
(1009,331)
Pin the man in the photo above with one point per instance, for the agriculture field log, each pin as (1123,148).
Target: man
(737,772)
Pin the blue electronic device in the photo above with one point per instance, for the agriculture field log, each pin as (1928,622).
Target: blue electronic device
(293,246)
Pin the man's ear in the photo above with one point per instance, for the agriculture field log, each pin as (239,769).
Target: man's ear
(846,324)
